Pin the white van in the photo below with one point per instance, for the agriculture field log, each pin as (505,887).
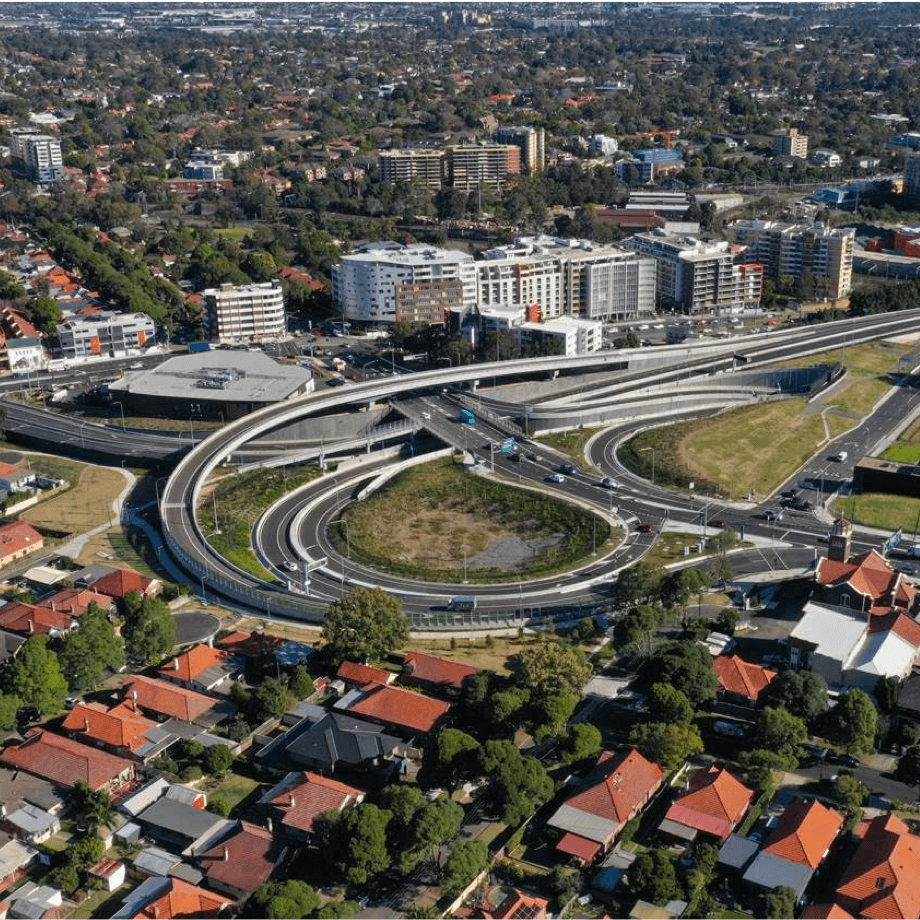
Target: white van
(839,458)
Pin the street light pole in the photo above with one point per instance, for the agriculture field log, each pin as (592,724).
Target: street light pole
(116,402)
(642,450)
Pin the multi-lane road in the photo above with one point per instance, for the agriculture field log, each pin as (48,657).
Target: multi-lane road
(635,500)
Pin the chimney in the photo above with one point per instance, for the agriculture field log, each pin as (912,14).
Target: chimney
(85,724)
(226,855)
(31,626)
(292,801)
(175,664)
(270,825)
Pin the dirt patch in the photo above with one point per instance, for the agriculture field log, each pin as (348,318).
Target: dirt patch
(85,505)
(512,552)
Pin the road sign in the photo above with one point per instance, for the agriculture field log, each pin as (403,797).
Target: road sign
(896,539)
(507,445)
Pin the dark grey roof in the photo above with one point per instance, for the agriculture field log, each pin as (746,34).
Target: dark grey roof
(340,737)
(909,695)
(769,871)
(179,818)
(737,852)
(10,644)
(293,653)
(17,787)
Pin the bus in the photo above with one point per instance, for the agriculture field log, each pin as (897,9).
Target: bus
(462,604)
(467,417)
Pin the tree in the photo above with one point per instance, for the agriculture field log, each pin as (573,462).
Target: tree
(149,629)
(668,704)
(652,877)
(582,743)
(95,805)
(301,684)
(518,785)
(909,765)
(803,693)
(778,730)
(667,744)
(338,910)
(851,793)
(466,860)
(366,623)
(886,693)
(36,677)
(292,899)
(217,759)
(760,765)
(270,699)
(687,667)
(555,709)
(87,654)
(637,583)
(365,852)
(455,757)
(45,313)
(855,721)
(431,825)
(779,903)
(9,709)
(678,587)
(550,667)
(504,705)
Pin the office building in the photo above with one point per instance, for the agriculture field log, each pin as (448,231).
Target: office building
(488,166)
(386,282)
(790,144)
(696,276)
(105,334)
(650,163)
(416,165)
(532,144)
(604,146)
(36,156)
(800,251)
(240,313)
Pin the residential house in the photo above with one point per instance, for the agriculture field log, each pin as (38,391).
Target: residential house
(18,539)
(10,644)
(410,713)
(797,847)
(740,681)
(31,901)
(76,601)
(615,791)
(436,675)
(110,873)
(294,803)
(850,648)
(338,741)
(15,478)
(121,730)
(238,865)
(30,620)
(713,804)
(16,858)
(502,902)
(121,582)
(163,700)
(154,790)
(883,878)
(172,897)
(63,762)
(362,675)
(201,668)
(30,823)
(182,828)
(827,910)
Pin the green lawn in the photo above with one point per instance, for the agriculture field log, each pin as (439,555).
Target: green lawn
(878,509)
(232,789)
(571,443)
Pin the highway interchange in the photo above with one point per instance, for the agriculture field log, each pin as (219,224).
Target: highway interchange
(289,535)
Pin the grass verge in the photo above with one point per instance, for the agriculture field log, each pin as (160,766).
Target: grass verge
(431,522)
(571,443)
(881,510)
(229,511)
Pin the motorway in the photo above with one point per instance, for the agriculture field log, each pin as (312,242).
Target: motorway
(635,500)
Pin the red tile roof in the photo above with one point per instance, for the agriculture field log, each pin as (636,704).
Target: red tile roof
(189,665)
(577,846)
(119,727)
(76,601)
(299,805)
(32,620)
(363,674)
(805,833)
(62,761)
(124,581)
(899,623)
(250,644)
(402,708)
(869,575)
(433,670)
(18,536)
(244,861)
(883,878)
(166,699)
(182,901)
(741,678)
(617,786)
(516,904)
(714,803)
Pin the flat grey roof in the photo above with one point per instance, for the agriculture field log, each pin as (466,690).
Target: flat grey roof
(179,818)
(224,375)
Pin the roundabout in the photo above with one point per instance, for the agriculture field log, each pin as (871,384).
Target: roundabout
(305,531)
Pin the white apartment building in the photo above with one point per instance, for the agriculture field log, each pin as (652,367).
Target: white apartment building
(249,311)
(564,335)
(105,334)
(36,155)
(543,276)
(790,144)
(561,277)
(604,145)
(794,250)
(388,282)
(695,276)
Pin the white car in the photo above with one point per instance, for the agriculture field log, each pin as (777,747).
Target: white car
(555,477)
(290,566)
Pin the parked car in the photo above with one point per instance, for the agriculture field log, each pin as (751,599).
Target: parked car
(728,728)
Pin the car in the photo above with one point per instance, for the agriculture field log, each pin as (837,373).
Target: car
(773,514)
(728,728)
(515,457)
(567,468)
(645,527)
(844,760)
(136,366)
(717,523)
(824,538)
(555,477)
(608,483)
(290,566)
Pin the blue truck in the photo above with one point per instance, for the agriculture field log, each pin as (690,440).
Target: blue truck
(195,347)
(467,417)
